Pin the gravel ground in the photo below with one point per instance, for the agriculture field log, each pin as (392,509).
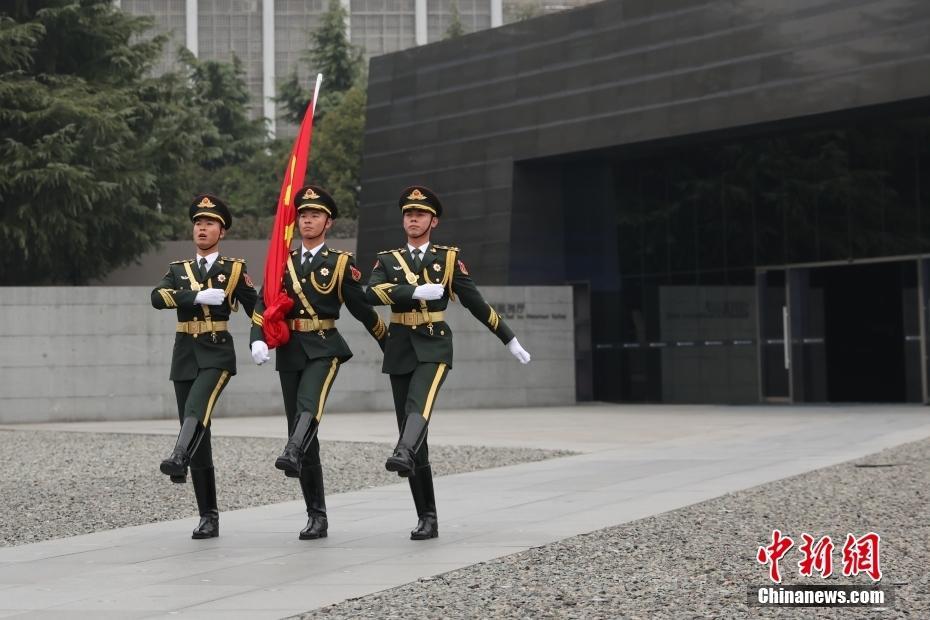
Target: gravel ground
(698,561)
(63,484)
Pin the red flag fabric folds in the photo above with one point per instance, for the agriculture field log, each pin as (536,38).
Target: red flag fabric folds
(277,302)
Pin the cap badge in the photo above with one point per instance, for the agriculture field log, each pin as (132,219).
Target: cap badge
(206,203)
(416,195)
(310,194)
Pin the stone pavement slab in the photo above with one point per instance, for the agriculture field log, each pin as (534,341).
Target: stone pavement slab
(636,462)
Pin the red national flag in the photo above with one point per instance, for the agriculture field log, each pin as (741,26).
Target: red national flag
(277,302)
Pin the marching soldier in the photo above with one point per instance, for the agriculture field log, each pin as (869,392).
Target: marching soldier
(319,280)
(418,281)
(204,291)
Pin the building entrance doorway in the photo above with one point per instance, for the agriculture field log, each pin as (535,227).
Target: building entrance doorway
(864,331)
(843,332)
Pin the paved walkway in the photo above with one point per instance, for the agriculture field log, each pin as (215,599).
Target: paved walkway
(636,462)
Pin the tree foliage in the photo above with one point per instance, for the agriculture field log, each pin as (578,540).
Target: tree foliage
(329,53)
(456,28)
(337,151)
(522,10)
(238,161)
(90,146)
(336,156)
(99,158)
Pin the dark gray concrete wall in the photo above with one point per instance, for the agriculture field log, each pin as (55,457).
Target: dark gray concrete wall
(457,115)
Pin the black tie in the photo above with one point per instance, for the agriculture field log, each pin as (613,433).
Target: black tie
(416,260)
(308,257)
(203,269)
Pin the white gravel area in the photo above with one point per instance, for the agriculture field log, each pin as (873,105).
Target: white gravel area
(698,561)
(57,484)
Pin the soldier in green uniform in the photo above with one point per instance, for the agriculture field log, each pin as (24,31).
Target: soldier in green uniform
(319,280)
(418,281)
(204,291)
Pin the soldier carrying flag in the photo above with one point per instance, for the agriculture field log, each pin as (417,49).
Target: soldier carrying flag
(306,294)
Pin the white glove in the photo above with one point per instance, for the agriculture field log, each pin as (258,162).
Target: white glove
(210,296)
(260,352)
(429,292)
(518,352)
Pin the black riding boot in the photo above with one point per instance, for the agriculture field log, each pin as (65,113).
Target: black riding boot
(205,491)
(311,485)
(421,487)
(297,444)
(411,438)
(188,439)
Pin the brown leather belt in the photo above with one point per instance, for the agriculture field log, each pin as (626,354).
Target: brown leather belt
(416,318)
(310,325)
(201,327)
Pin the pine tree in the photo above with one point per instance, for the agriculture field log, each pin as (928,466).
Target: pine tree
(92,149)
(336,156)
(331,54)
(456,28)
(337,151)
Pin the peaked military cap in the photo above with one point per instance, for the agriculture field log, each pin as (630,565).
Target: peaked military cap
(315,197)
(419,197)
(208,205)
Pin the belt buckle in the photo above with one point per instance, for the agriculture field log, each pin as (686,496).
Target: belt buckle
(193,327)
(410,318)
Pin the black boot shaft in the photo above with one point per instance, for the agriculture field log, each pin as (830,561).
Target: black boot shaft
(204,481)
(297,444)
(411,438)
(192,431)
(311,485)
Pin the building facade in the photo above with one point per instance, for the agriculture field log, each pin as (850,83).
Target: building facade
(739,190)
(269,36)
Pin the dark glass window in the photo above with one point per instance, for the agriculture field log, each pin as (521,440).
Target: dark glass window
(695,221)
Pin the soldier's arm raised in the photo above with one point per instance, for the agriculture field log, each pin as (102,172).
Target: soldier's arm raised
(382,292)
(166,297)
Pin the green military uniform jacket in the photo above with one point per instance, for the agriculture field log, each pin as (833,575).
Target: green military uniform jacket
(179,287)
(332,279)
(408,345)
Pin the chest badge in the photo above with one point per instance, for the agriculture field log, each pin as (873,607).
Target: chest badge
(221,278)
(324,272)
(437,267)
